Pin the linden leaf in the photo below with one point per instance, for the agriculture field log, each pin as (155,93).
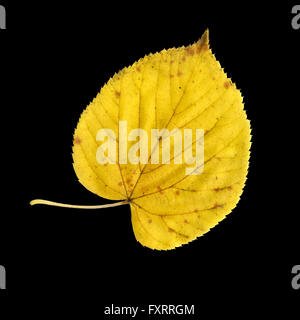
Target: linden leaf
(180,88)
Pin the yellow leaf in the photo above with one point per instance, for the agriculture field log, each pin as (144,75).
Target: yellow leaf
(180,88)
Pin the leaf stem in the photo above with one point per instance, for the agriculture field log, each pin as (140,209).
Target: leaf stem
(63,205)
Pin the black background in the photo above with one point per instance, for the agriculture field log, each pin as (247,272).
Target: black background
(54,60)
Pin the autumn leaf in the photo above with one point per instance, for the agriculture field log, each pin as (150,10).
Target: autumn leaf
(179,88)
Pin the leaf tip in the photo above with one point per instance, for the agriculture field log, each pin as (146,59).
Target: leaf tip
(204,40)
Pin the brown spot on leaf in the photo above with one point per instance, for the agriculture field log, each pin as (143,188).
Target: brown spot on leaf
(160,190)
(120,183)
(229,188)
(203,47)
(171,75)
(77,140)
(216,205)
(217,189)
(196,210)
(138,68)
(183,58)
(185,221)
(179,73)
(171,230)
(149,221)
(117,93)
(190,51)
(177,192)
(226,84)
